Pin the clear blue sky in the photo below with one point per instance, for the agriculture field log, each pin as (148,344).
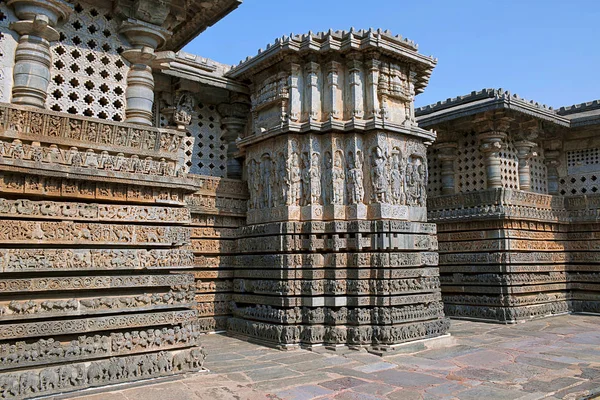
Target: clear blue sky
(544,50)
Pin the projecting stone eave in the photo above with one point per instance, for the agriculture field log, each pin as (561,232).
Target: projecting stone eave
(199,15)
(197,69)
(482,101)
(342,42)
(583,114)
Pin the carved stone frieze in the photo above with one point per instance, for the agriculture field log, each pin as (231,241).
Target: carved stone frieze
(24,208)
(60,379)
(14,231)
(39,260)
(107,189)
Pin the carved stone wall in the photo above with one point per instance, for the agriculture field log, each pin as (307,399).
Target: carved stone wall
(93,226)
(337,250)
(218,210)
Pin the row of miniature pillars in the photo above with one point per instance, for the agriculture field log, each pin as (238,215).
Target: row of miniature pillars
(490,145)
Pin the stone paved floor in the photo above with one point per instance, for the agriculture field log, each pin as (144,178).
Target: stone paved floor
(551,358)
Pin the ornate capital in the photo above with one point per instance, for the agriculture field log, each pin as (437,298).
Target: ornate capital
(143,34)
(446,151)
(491,142)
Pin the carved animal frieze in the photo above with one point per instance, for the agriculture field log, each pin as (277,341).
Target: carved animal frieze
(69,377)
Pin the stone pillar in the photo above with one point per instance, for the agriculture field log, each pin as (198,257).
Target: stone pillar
(490,146)
(356,85)
(234,117)
(447,155)
(36,27)
(145,38)
(552,171)
(524,154)
(373,65)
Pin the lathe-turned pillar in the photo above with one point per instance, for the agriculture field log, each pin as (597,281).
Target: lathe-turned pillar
(36,27)
(524,154)
(490,146)
(145,39)
(447,154)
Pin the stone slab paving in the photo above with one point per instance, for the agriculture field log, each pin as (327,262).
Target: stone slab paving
(552,358)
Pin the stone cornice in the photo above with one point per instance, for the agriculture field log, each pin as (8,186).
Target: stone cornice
(197,69)
(482,101)
(342,42)
(513,204)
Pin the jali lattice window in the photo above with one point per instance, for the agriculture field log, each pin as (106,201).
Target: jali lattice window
(509,166)
(470,168)
(434,186)
(539,173)
(210,152)
(87,73)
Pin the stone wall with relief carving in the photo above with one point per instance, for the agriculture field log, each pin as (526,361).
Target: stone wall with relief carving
(337,250)
(94,240)
(511,255)
(218,210)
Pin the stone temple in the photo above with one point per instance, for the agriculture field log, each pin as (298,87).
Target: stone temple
(149,196)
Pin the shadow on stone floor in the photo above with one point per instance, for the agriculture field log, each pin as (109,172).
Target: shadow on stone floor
(552,358)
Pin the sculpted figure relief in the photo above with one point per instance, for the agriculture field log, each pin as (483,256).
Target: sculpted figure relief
(328,177)
(338,178)
(355,178)
(379,179)
(416,179)
(315,179)
(293,175)
(397,175)
(184,109)
(306,188)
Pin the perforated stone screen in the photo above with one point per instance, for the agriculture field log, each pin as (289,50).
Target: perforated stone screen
(470,168)
(579,184)
(210,152)
(509,166)
(583,160)
(539,173)
(87,73)
(434,185)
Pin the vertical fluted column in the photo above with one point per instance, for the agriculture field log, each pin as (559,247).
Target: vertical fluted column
(490,146)
(356,85)
(36,28)
(333,92)
(524,154)
(447,154)
(294,93)
(313,92)
(145,39)
(234,117)
(372,64)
